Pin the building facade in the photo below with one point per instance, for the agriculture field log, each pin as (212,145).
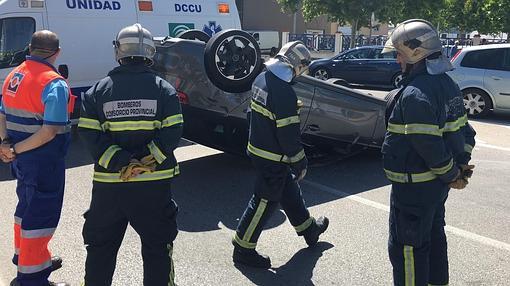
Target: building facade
(268,15)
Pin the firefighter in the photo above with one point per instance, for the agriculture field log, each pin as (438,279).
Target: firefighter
(34,127)
(426,151)
(131,122)
(277,155)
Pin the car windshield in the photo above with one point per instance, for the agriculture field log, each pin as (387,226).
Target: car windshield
(15,34)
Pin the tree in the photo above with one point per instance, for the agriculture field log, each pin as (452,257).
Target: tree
(355,12)
(397,11)
(498,15)
(466,16)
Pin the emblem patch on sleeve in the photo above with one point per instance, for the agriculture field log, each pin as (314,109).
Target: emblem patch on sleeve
(130,108)
(14,83)
(259,95)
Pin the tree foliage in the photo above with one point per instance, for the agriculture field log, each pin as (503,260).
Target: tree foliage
(498,13)
(357,13)
(485,16)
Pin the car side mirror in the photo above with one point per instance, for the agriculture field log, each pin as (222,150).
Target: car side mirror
(63,70)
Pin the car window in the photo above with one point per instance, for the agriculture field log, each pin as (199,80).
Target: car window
(506,61)
(484,59)
(390,55)
(15,34)
(358,54)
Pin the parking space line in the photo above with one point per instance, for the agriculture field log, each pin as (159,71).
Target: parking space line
(456,231)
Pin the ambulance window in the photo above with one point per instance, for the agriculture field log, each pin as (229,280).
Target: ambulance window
(15,34)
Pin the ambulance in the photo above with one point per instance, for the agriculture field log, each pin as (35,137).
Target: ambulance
(86,29)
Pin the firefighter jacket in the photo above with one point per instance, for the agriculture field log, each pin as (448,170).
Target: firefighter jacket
(35,94)
(274,123)
(428,133)
(127,115)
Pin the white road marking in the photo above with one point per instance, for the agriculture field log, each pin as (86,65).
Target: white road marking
(493,147)
(457,231)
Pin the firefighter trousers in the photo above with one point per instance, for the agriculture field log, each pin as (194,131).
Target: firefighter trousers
(417,241)
(149,208)
(40,192)
(263,204)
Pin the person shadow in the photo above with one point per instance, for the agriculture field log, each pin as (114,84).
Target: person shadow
(297,271)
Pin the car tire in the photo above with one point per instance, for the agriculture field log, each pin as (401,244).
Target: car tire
(396,80)
(195,35)
(321,73)
(477,102)
(232,60)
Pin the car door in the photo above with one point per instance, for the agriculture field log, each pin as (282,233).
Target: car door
(350,65)
(384,67)
(496,78)
(342,114)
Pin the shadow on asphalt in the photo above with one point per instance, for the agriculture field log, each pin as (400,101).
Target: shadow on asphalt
(297,271)
(77,156)
(215,190)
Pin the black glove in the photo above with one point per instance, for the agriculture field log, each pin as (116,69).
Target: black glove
(299,169)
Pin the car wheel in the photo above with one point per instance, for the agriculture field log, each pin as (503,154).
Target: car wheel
(397,80)
(477,102)
(321,73)
(232,60)
(195,35)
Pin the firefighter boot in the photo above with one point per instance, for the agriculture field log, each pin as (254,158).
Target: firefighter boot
(56,263)
(250,257)
(316,229)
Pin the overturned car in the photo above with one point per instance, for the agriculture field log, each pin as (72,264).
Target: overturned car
(213,79)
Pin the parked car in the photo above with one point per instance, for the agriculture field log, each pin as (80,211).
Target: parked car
(363,65)
(331,114)
(483,75)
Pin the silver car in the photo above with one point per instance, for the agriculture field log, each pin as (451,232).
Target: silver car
(483,75)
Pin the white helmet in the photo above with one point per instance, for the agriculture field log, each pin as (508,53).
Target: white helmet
(134,41)
(292,61)
(416,40)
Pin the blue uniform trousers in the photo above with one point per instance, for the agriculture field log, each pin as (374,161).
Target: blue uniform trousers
(417,241)
(40,193)
(274,186)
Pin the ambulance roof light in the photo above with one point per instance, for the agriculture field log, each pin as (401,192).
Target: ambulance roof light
(223,8)
(145,6)
(37,3)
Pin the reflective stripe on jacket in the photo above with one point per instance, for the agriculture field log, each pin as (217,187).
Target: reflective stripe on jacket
(428,133)
(130,114)
(23,106)
(274,124)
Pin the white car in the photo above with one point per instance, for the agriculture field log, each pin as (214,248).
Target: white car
(483,75)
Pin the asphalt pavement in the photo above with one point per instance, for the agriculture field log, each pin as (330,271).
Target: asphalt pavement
(214,188)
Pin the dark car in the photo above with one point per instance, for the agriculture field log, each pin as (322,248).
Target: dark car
(331,114)
(363,65)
